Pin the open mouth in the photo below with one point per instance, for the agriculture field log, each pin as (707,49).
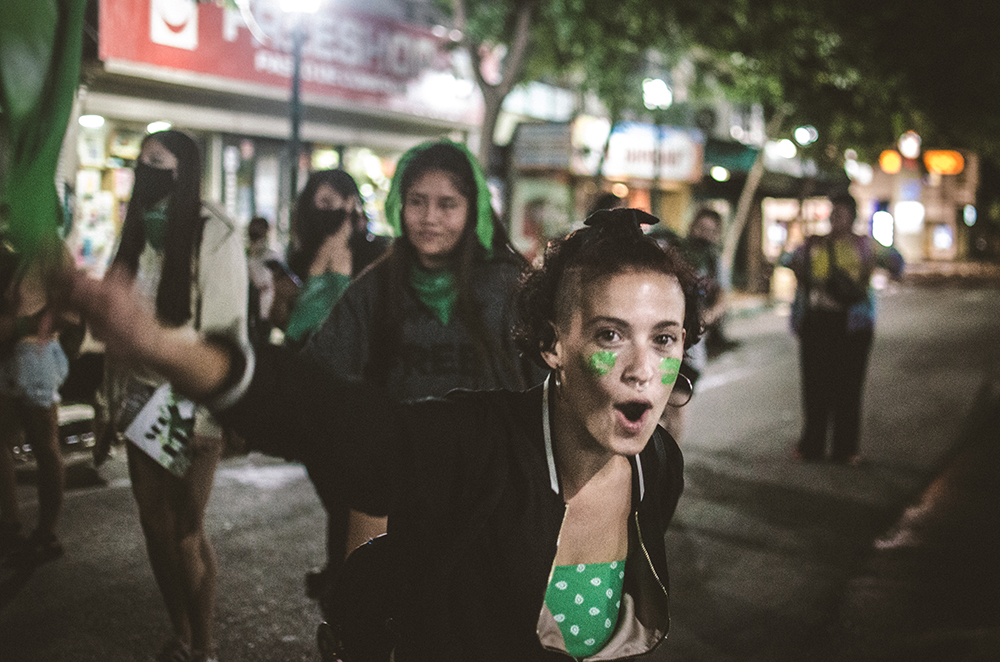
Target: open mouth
(633,411)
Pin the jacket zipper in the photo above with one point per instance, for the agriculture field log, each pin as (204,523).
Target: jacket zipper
(645,553)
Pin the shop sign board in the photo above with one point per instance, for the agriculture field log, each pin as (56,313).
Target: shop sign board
(632,149)
(348,57)
(543,146)
(578,148)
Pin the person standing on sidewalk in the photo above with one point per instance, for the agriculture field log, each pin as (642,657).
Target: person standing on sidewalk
(833,315)
(186,260)
(33,367)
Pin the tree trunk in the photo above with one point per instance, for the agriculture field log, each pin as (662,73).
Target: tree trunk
(749,193)
(513,67)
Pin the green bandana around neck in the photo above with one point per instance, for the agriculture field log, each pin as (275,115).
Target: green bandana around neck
(155,222)
(436,290)
(484,210)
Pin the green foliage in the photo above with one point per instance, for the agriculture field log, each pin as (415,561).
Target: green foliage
(862,72)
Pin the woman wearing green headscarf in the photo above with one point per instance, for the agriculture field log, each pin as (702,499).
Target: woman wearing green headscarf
(435,312)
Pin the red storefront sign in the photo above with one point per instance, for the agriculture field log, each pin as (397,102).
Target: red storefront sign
(364,60)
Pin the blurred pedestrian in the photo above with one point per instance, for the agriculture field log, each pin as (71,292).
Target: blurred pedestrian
(701,250)
(435,313)
(331,242)
(261,293)
(186,260)
(523,525)
(833,315)
(33,366)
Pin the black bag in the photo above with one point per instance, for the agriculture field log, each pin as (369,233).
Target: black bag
(359,607)
(839,285)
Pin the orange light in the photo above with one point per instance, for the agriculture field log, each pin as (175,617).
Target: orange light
(890,161)
(944,161)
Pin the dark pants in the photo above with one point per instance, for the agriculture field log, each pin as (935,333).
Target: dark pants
(833,364)
(335,504)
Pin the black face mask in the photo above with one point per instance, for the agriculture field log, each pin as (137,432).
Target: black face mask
(152,184)
(328,221)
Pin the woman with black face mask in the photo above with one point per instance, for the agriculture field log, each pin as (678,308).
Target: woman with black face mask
(330,244)
(186,258)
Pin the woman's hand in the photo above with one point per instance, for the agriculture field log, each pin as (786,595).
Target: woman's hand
(334,255)
(131,333)
(117,316)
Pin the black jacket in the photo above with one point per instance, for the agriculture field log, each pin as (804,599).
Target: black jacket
(466,484)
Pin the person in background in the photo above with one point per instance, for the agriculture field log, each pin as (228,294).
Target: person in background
(33,366)
(331,243)
(523,525)
(261,295)
(833,315)
(702,248)
(185,259)
(435,313)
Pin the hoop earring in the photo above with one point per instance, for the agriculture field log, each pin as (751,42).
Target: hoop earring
(689,392)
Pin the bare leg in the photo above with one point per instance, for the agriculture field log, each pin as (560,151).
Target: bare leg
(150,486)
(195,552)
(41,425)
(10,430)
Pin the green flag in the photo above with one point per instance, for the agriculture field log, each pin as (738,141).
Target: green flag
(40,50)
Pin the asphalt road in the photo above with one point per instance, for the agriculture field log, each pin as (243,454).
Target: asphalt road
(761,551)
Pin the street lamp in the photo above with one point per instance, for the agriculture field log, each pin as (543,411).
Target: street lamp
(656,96)
(297,8)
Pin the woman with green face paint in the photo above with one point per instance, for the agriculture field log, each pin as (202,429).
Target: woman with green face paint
(184,258)
(522,525)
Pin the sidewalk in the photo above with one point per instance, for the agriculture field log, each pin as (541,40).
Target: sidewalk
(930,590)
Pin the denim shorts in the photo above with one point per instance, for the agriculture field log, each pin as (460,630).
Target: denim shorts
(34,371)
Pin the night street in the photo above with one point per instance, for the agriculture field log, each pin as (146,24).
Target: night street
(760,550)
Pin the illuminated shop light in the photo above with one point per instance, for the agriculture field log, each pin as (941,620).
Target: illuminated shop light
(620,189)
(806,135)
(944,161)
(787,149)
(719,174)
(943,238)
(969,215)
(909,217)
(909,144)
(656,94)
(153,127)
(91,121)
(882,227)
(890,161)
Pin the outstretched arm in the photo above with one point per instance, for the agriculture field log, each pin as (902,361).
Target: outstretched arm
(128,327)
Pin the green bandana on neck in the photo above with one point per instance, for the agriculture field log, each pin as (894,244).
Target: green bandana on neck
(155,222)
(436,290)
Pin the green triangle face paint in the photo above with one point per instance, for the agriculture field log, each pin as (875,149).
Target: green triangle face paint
(601,363)
(669,367)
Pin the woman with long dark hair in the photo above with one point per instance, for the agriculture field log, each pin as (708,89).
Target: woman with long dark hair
(185,258)
(330,244)
(523,525)
(435,313)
